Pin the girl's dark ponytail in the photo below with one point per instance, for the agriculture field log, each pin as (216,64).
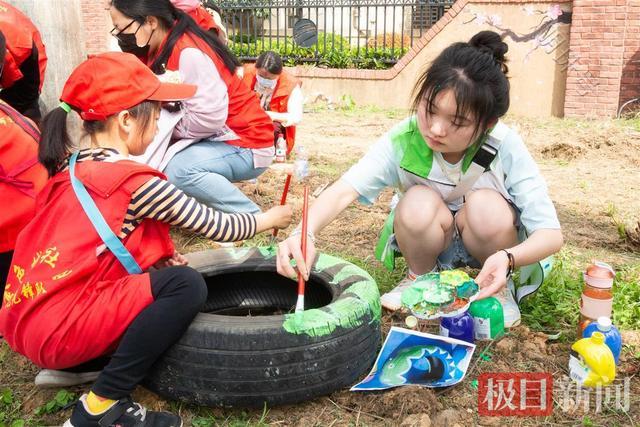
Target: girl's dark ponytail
(55,143)
(491,43)
(185,24)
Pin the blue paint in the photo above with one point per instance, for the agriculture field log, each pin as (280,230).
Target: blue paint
(459,327)
(612,337)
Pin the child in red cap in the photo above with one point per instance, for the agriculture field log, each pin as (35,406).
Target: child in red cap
(70,300)
(23,64)
(223,136)
(21,176)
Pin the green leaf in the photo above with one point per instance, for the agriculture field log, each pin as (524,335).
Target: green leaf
(63,397)
(6,397)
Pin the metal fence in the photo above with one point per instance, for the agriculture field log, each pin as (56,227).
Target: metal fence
(351,33)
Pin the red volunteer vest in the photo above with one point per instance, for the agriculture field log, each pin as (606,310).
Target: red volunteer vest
(245,117)
(64,303)
(279,99)
(21,177)
(20,35)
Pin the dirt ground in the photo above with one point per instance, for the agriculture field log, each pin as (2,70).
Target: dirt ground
(592,172)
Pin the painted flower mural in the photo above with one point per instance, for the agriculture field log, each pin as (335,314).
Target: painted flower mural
(542,35)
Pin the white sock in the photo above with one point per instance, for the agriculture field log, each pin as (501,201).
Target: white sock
(411,275)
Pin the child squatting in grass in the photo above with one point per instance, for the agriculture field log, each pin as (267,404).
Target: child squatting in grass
(457,107)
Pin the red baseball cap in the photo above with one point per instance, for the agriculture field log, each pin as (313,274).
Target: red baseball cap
(111,82)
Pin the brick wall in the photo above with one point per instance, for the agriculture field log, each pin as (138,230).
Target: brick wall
(95,21)
(604,45)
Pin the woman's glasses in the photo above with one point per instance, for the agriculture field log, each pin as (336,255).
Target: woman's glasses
(117,34)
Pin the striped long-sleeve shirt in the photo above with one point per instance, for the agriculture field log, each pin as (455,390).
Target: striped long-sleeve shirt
(160,200)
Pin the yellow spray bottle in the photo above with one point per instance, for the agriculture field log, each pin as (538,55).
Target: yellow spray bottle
(591,362)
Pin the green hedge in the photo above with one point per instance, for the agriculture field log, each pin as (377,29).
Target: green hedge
(333,51)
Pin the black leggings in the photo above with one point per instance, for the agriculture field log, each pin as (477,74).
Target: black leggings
(179,293)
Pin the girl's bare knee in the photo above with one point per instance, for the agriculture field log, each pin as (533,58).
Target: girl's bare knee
(487,215)
(418,208)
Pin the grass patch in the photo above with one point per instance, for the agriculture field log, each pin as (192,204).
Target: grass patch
(347,107)
(241,419)
(633,122)
(10,409)
(385,279)
(555,306)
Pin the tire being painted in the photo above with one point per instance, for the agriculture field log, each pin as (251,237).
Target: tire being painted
(244,361)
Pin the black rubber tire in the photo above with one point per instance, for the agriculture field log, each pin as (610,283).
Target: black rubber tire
(245,361)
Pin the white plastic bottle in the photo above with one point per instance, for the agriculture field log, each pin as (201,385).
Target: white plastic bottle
(302,162)
(281,149)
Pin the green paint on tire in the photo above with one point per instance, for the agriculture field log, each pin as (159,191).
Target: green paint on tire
(368,293)
(348,311)
(315,323)
(325,261)
(268,252)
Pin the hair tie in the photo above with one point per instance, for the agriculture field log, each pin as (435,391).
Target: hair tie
(66,107)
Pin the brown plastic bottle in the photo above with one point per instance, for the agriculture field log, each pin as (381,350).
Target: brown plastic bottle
(597,295)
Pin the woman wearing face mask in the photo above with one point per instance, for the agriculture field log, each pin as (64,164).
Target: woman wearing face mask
(223,136)
(80,287)
(279,92)
(208,18)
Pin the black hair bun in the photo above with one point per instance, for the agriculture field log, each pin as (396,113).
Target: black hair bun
(491,43)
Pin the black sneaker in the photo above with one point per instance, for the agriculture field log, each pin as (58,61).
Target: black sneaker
(124,413)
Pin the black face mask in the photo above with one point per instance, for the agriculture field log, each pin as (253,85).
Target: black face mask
(127,43)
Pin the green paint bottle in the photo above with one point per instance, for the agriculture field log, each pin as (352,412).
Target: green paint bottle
(488,318)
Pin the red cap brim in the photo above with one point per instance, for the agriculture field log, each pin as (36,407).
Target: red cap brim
(173,92)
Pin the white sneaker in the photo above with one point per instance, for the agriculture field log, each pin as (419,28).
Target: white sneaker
(510,308)
(392,299)
(51,378)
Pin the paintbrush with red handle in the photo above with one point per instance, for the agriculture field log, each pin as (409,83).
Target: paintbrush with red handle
(301,282)
(283,200)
